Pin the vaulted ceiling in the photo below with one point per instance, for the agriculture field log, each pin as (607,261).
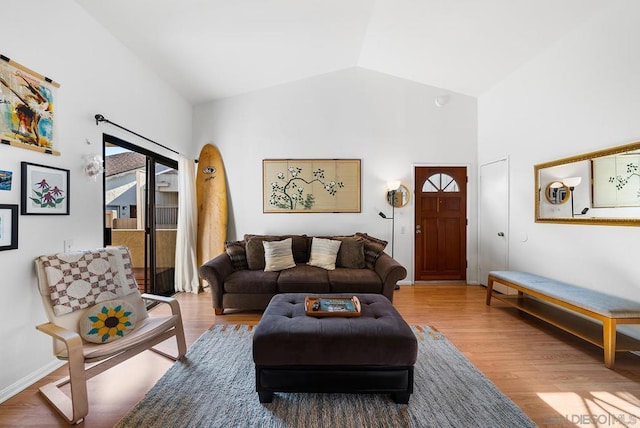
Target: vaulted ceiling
(209,49)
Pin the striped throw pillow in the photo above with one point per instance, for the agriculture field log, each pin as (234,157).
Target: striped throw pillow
(324,253)
(278,255)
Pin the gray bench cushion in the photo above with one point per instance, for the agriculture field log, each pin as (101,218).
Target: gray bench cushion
(287,336)
(595,301)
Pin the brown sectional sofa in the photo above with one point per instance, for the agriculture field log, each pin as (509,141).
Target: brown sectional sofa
(238,278)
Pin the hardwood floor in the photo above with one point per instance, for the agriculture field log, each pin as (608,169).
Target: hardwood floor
(557,379)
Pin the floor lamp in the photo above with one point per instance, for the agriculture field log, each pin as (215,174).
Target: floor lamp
(392,190)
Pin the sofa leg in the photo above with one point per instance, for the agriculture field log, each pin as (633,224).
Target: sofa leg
(219,311)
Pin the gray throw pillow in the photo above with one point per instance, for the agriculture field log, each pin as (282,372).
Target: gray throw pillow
(373,247)
(237,253)
(351,254)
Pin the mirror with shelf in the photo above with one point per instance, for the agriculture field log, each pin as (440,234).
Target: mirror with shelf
(601,187)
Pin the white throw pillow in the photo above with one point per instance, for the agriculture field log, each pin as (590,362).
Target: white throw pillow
(324,253)
(278,255)
(107,321)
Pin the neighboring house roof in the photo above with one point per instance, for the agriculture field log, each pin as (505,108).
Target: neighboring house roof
(122,162)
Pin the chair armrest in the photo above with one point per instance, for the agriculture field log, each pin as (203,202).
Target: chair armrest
(71,340)
(58,332)
(390,271)
(215,271)
(173,303)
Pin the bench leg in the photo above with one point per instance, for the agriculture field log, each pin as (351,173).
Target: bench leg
(609,342)
(489,290)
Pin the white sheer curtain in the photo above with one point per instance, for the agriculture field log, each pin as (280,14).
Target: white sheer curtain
(186,266)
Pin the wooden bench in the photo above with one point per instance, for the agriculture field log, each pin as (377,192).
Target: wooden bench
(536,292)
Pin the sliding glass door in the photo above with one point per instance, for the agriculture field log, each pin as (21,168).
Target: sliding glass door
(141,211)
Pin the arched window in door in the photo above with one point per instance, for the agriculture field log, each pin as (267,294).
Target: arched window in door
(440,182)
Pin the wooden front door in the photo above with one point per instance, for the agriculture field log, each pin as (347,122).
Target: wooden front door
(441,223)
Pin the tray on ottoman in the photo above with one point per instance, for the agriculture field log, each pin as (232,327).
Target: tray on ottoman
(332,306)
(372,353)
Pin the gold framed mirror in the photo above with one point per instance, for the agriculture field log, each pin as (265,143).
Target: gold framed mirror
(601,188)
(398,198)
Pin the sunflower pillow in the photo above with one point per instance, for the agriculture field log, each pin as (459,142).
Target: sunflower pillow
(107,321)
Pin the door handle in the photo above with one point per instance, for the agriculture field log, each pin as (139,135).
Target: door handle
(500,233)
(418,230)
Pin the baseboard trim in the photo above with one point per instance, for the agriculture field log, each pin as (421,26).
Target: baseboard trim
(29,380)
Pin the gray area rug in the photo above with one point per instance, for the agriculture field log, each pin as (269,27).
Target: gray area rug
(214,386)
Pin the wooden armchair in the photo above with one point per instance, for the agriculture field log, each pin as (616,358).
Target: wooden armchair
(97,319)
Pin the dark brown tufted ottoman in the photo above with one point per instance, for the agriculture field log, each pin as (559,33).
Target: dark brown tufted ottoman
(372,353)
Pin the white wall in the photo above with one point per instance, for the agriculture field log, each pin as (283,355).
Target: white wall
(97,75)
(581,95)
(391,124)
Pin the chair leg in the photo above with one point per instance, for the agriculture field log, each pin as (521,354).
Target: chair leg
(180,340)
(73,409)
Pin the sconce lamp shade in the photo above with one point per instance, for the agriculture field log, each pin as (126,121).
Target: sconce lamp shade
(393,185)
(572,182)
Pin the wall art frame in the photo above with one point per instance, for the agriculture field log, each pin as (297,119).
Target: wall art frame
(311,185)
(44,190)
(27,108)
(8,227)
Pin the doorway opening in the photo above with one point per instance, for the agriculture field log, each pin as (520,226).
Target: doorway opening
(142,220)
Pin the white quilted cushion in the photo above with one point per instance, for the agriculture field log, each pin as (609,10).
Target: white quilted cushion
(81,279)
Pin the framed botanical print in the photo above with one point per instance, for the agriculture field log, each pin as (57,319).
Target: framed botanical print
(8,227)
(311,185)
(45,190)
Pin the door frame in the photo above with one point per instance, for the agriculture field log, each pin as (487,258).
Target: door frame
(149,225)
(471,180)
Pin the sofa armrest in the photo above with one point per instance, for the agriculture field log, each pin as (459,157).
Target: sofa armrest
(215,271)
(390,271)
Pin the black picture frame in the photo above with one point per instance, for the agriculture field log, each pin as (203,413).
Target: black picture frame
(44,190)
(8,226)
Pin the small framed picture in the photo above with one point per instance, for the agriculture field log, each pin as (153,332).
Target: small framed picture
(45,190)
(8,227)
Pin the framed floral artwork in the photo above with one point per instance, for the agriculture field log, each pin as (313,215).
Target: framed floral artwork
(311,185)
(45,190)
(8,227)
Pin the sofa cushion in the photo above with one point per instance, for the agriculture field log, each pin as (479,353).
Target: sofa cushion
(251,282)
(255,249)
(237,253)
(278,255)
(351,253)
(324,253)
(373,247)
(344,280)
(303,279)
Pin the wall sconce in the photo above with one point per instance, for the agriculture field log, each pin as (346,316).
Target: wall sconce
(572,183)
